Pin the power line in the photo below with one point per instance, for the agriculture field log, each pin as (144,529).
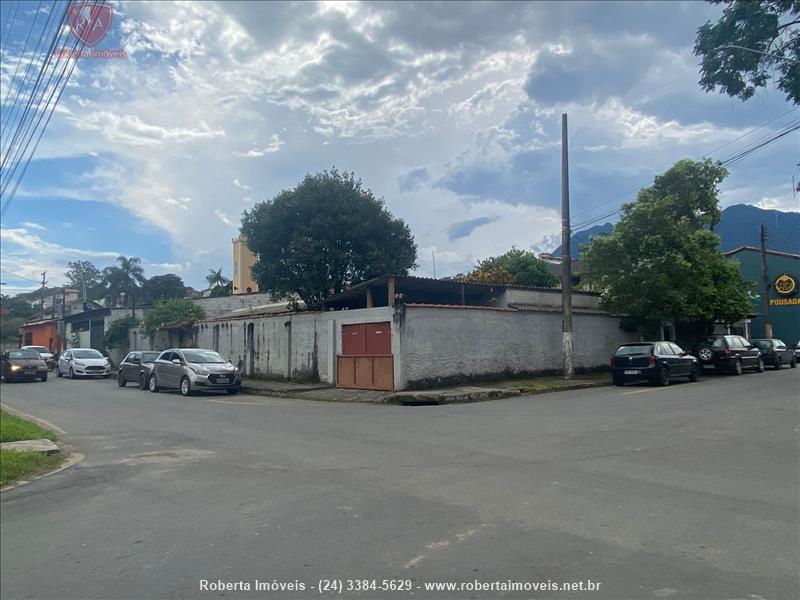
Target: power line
(10,27)
(19,276)
(736,139)
(731,160)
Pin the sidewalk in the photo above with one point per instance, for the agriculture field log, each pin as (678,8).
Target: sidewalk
(447,395)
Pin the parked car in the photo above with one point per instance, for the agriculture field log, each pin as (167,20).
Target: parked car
(45,353)
(136,368)
(83,362)
(776,353)
(194,369)
(731,353)
(797,350)
(658,362)
(23,365)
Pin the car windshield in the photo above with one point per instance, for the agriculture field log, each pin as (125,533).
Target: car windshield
(148,357)
(86,354)
(634,349)
(203,356)
(23,354)
(762,343)
(39,349)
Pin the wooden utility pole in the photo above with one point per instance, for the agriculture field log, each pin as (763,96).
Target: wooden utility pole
(765,279)
(566,259)
(44,282)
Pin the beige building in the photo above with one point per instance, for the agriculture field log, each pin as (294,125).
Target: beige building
(243,260)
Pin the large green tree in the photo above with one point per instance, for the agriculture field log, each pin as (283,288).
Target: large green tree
(753,42)
(325,235)
(662,261)
(171,312)
(163,287)
(523,267)
(83,272)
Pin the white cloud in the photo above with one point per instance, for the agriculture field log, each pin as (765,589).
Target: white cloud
(241,185)
(224,218)
(31,225)
(273,146)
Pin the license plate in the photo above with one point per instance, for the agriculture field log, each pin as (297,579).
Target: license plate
(222,380)
(632,372)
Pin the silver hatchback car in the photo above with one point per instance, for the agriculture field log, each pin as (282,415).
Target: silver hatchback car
(194,369)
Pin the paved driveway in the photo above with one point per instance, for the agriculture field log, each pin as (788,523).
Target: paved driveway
(689,491)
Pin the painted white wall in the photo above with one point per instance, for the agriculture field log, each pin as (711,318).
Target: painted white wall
(441,344)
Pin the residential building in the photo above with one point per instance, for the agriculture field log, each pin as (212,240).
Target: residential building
(243,261)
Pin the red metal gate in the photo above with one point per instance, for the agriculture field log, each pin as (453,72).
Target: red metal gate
(366,359)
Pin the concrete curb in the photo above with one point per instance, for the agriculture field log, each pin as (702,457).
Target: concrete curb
(434,398)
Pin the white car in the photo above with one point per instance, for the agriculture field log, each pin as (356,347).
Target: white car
(45,353)
(83,362)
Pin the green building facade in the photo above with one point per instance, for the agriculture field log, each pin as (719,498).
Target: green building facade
(783,271)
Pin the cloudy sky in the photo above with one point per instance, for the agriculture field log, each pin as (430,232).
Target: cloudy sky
(451,112)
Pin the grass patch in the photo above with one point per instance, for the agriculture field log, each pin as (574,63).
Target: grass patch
(17,429)
(21,465)
(552,383)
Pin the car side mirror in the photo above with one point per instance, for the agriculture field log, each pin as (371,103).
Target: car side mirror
(176,361)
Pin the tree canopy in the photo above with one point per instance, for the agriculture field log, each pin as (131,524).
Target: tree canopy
(82,272)
(163,287)
(126,278)
(753,41)
(171,312)
(323,236)
(662,260)
(516,266)
(218,283)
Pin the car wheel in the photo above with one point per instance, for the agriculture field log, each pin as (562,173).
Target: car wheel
(778,363)
(58,372)
(760,367)
(793,364)
(142,383)
(705,354)
(232,391)
(44,377)
(186,387)
(694,374)
(71,373)
(152,384)
(663,377)
(121,379)
(737,367)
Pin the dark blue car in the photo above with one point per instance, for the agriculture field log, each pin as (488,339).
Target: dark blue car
(657,362)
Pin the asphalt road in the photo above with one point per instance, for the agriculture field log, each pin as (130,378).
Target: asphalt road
(689,491)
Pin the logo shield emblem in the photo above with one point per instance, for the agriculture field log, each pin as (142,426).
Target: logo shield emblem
(90,22)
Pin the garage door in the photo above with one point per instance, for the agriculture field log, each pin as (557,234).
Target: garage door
(366,359)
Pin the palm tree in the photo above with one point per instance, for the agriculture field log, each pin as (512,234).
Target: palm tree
(127,278)
(216,278)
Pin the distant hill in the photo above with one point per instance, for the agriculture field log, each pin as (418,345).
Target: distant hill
(739,226)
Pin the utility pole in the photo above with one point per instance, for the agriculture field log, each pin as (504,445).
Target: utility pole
(44,282)
(433,255)
(566,259)
(765,278)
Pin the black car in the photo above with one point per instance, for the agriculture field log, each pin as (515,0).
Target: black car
(731,353)
(23,365)
(776,353)
(658,362)
(136,368)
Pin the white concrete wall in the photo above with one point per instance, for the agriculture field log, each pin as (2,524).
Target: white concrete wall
(443,345)
(550,298)
(215,307)
(301,346)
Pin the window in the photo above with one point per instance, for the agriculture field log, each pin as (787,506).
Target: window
(203,356)
(135,359)
(87,354)
(744,342)
(676,349)
(633,349)
(166,355)
(24,354)
(149,357)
